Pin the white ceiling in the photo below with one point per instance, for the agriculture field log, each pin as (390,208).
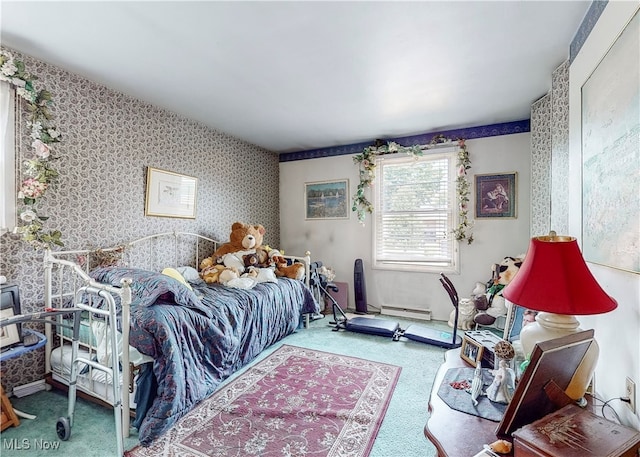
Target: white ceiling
(293,76)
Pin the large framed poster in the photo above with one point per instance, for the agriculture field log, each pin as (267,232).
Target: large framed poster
(611,155)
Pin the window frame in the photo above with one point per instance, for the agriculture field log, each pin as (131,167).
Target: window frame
(8,160)
(450,153)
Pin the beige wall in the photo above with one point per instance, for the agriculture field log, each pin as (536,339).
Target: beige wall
(338,243)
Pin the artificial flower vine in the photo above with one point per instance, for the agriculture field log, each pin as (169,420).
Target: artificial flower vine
(462,190)
(39,172)
(366,163)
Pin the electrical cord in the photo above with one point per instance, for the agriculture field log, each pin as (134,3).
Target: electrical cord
(606,403)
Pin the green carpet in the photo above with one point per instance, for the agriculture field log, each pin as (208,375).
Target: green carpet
(402,432)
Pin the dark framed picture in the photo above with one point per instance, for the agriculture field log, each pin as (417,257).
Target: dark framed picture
(326,199)
(551,368)
(496,195)
(471,351)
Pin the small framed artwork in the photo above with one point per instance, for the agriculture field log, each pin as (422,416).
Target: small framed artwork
(471,351)
(326,199)
(170,194)
(517,318)
(496,195)
(9,333)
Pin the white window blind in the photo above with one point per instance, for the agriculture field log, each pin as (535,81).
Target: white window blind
(415,213)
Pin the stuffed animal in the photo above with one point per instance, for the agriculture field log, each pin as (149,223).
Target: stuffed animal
(243,237)
(466,313)
(211,272)
(244,250)
(243,240)
(490,303)
(283,269)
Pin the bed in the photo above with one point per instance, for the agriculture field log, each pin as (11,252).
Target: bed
(183,340)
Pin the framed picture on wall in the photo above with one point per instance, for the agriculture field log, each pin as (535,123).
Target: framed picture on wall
(170,194)
(610,168)
(326,200)
(496,195)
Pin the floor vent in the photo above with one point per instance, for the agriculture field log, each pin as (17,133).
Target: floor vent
(28,389)
(404,311)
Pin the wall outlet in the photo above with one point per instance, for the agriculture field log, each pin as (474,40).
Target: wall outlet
(630,393)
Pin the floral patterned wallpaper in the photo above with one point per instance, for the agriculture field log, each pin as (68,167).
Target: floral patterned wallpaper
(108,141)
(560,150)
(550,157)
(541,166)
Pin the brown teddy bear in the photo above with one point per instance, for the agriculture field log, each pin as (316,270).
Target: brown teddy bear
(213,272)
(245,249)
(243,237)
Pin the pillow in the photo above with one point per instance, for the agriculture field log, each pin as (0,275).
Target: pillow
(189,273)
(175,274)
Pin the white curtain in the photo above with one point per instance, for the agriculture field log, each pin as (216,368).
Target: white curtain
(7,158)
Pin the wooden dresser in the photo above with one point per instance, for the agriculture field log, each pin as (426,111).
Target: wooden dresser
(458,434)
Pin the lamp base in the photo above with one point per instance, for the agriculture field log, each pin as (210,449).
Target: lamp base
(549,326)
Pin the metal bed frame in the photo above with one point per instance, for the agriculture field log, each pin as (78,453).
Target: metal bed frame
(67,275)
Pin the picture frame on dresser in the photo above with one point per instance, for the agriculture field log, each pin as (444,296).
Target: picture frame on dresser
(471,351)
(540,391)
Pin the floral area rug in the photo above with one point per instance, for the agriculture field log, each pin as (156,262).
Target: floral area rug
(296,402)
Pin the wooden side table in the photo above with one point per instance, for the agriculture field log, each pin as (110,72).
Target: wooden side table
(8,416)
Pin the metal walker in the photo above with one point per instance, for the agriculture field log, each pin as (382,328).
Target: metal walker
(65,423)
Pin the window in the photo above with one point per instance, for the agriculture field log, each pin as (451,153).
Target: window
(7,159)
(415,212)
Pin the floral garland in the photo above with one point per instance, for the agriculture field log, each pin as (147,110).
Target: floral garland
(462,189)
(39,172)
(366,163)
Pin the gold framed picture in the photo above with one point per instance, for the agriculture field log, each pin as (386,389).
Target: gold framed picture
(471,351)
(170,194)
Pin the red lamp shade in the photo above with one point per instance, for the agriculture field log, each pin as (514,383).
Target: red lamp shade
(555,278)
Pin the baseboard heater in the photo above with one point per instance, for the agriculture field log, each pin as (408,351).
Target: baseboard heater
(28,389)
(408,312)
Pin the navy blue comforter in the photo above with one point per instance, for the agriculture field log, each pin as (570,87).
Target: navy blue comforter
(199,338)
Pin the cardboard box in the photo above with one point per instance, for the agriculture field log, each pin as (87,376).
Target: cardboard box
(341,297)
